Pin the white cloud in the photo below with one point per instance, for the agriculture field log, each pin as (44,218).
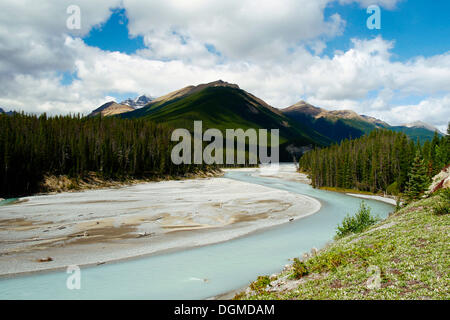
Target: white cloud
(262,48)
(250,30)
(388,4)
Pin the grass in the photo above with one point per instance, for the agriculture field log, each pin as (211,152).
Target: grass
(343,190)
(408,253)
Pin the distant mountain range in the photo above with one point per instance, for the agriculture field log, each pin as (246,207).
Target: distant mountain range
(137,102)
(2,111)
(112,108)
(346,124)
(223,105)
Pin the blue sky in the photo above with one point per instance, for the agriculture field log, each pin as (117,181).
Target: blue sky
(418,29)
(113,35)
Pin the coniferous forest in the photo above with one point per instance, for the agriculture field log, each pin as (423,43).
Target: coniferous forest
(32,147)
(382,161)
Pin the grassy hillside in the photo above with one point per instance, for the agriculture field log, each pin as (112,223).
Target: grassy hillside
(410,249)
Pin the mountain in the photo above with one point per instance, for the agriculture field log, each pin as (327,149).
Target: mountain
(335,125)
(111,108)
(137,102)
(223,105)
(346,124)
(9,113)
(421,125)
(416,133)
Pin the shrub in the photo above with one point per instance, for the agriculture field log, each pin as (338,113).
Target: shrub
(260,284)
(358,223)
(442,204)
(393,189)
(441,208)
(299,269)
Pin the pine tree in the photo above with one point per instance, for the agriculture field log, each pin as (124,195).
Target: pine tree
(418,179)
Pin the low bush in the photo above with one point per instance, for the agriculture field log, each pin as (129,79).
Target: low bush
(299,269)
(260,284)
(358,223)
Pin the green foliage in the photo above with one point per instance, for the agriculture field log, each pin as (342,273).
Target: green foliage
(358,223)
(32,147)
(393,188)
(418,179)
(378,162)
(442,204)
(299,269)
(260,284)
(331,259)
(441,208)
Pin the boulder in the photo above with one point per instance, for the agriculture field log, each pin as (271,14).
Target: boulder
(440,181)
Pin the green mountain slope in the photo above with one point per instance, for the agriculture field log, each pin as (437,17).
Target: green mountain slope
(415,133)
(225,106)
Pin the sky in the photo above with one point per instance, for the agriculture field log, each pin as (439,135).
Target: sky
(282,51)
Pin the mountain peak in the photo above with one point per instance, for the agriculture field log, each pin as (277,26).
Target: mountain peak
(421,124)
(111,108)
(218,83)
(305,108)
(137,102)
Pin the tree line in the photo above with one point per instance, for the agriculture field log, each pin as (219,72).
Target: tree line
(34,146)
(382,161)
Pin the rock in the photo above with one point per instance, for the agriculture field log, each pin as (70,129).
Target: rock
(291,219)
(446,183)
(440,181)
(145,234)
(48,259)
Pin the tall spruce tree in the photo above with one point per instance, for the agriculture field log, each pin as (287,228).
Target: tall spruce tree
(418,179)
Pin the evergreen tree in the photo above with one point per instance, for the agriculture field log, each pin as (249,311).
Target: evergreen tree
(418,179)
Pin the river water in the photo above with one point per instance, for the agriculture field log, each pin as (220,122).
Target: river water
(226,266)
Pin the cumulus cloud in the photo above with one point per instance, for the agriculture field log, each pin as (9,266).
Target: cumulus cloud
(264,46)
(250,30)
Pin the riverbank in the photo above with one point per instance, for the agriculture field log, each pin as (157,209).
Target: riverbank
(53,184)
(403,257)
(92,227)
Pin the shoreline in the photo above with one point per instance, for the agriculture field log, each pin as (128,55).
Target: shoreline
(374,197)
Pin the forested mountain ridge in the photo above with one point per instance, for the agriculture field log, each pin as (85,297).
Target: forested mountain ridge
(338,125)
